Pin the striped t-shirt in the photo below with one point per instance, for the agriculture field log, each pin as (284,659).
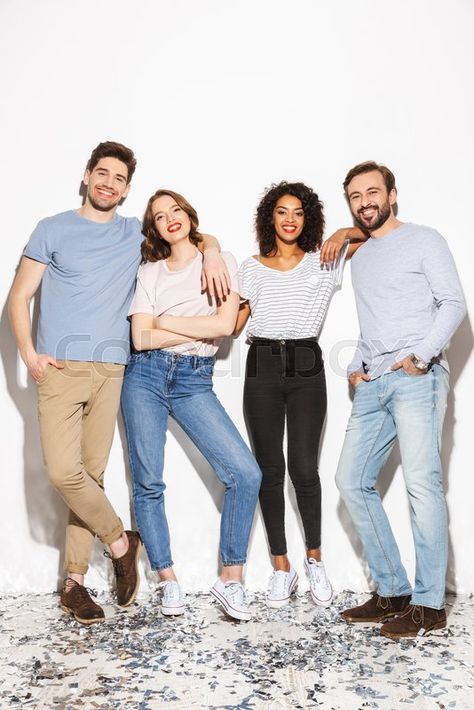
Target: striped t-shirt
(289,304)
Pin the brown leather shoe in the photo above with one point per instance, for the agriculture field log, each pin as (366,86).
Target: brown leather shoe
(376,608)
(416,620)
(126,570)
(76,601)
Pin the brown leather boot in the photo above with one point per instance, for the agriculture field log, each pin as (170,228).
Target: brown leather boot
(416,620)
(376,608)
(75,600)
(126,570)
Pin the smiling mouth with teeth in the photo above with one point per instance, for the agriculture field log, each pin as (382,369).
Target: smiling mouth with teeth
(104,193)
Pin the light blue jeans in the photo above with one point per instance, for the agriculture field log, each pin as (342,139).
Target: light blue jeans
(159,383)
(411,408)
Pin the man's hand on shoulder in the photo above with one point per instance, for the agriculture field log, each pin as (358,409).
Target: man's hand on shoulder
(215,276)
(355,378)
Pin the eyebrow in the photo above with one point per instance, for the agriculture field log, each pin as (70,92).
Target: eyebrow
(106,170)
(359,192)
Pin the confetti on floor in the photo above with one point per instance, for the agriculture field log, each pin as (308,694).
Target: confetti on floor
(300,656)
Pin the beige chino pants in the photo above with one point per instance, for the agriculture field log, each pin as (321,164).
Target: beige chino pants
(77,409)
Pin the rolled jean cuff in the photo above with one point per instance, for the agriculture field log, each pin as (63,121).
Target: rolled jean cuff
(116,534)
(165,565)
(74,568)
(231,563)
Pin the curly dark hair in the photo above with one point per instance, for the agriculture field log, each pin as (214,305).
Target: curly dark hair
(311,236)
(153,247)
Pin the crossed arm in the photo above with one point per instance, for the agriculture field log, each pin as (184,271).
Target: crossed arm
(149,333)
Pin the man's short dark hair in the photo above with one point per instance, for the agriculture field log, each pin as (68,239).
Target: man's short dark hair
(368,167)
(111,149)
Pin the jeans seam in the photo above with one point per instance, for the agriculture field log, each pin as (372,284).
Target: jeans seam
(365,502)
(134,486)
(188,432)
(435,452)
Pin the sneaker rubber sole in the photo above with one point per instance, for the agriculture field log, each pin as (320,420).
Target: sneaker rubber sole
(278,603)
(229,610)
(173,610)
(322,602)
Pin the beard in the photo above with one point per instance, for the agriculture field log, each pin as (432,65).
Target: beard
(379,219)
(100,206)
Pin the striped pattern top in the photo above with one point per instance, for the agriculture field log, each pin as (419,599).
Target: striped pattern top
(289,304)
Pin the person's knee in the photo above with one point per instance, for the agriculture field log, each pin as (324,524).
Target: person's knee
(344,482)
(255,478)
(148,491)
(305,477)
(64,477)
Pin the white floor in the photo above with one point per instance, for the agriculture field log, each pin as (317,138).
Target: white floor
(297,657)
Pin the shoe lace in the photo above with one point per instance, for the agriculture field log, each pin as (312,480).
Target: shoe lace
(318,575)
(79,591)
(236,592)
(382,602)
(416,612)
(117,563)
(277,583)
(171,591)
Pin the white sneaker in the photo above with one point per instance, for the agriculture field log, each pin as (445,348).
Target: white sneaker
(172,598)
(231,597)
(320,586)
(280,588)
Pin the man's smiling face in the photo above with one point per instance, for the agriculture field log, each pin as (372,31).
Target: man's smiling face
(369,201)
(107,184)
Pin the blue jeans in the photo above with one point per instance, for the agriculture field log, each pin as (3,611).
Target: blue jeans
(159,383)
(411,408)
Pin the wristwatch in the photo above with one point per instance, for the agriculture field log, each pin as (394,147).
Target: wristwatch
(419,363)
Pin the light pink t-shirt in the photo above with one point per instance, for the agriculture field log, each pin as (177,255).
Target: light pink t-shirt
(160,291)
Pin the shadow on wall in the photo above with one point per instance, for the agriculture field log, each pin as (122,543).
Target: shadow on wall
(458,354)
(46,512)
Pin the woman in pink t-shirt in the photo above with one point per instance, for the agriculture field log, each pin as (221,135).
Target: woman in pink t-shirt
(175,333)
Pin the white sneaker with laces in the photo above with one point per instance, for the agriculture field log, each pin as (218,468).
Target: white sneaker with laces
(172,598)
(280,587)
(320,586)
(231,597)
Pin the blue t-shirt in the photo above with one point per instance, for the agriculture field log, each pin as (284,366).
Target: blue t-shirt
(88,286)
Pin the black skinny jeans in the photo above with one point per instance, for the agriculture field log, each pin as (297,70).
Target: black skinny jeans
(285,379)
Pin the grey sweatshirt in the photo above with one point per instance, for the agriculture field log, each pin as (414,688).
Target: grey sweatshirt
(409,298)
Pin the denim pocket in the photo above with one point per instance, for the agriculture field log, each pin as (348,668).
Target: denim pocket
(206,371)
(136,357)
(402,373)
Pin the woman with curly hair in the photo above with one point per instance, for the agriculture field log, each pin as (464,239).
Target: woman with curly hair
(175,334)
(287,290)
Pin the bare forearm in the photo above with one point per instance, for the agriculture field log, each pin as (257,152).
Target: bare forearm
(201,327)
(209,242)
(242,318)
(19,313)
(158,339)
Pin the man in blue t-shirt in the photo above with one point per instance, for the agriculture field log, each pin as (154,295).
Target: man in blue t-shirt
(409,303)
(86,262)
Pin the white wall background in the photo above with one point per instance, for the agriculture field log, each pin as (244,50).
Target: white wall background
(219,99)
